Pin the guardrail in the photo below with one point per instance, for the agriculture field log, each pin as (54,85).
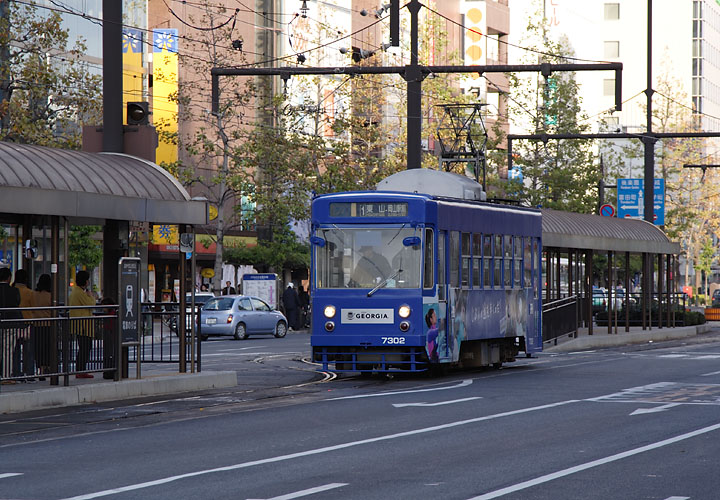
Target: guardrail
(53,345)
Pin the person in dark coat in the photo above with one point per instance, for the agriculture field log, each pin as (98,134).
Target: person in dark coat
(291,302)
(304,306)
(228,290)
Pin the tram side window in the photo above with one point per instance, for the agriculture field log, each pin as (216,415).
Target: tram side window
(497,260)
(527,264)
(508,259)
(428,274)
(465,246)
(477,259)
(454,258)
(441,266)
(487,261)
(517,261)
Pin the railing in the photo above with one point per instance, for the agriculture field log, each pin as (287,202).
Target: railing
(160,339)
(559,318)
(60,346)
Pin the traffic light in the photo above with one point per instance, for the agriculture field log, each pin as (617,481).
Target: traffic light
(137,113)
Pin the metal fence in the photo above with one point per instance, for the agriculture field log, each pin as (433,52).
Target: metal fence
(52,344)
(559,318)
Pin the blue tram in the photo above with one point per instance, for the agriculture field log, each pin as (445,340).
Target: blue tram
(421,273)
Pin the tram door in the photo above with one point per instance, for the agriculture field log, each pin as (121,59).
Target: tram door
(442,286)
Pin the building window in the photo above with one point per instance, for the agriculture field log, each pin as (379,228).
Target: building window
(612,50)
(612,11)
(609,86)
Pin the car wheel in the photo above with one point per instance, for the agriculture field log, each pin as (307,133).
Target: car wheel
(203,338)
(240,333)
(280,329)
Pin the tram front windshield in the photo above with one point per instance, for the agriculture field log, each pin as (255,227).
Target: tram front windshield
(364,257)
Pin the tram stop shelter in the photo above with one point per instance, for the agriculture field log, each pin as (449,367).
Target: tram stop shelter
(571,244)
(45,190)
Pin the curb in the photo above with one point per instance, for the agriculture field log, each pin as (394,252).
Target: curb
(110,391)
(600,340)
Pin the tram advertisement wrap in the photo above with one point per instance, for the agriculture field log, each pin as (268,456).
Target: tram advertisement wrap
(480,314)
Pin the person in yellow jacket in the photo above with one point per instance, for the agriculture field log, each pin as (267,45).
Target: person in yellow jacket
(82,328)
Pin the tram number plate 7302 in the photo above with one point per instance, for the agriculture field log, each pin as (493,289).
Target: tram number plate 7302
(393,340)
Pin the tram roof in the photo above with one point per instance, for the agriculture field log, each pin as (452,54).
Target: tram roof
(40,180)
(584,231)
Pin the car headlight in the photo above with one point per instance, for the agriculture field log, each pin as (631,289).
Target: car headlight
(404,311)
(329,311)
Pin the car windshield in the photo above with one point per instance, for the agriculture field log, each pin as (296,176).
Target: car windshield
(363,257)
(199,299)
(219,304)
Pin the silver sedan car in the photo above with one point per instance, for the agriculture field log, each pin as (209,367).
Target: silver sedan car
(240,316)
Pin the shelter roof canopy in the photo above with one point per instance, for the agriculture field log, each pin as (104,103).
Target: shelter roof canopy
(47,181)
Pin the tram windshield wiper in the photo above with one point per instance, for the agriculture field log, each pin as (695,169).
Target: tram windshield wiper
(384,282)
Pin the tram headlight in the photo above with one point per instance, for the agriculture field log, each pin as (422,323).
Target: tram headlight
(404,311)
(329,311)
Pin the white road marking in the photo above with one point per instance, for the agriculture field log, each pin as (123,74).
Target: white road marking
(411,391)
(642,411)
(677,498)
(710,374)
(318,451)
(708,356)
(309,491)
(441,403)
(674,356)
(595,463)
(3,475)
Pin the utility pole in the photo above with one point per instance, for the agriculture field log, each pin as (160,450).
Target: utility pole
(649,139)
(112,77)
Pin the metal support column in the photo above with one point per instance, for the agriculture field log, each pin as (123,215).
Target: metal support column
(627,291)
(588,289)
(660,289)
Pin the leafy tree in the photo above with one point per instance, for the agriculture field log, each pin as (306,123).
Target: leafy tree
(83,249)
(557,174)
(705,260)
(284,251)
(209,142)
(46,90)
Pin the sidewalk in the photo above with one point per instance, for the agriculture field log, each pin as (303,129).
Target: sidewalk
(600,337)
(155,379)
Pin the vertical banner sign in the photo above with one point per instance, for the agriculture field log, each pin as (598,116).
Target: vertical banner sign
(475,41)
(165,84)
(631,200)
(129,310)
(132,48)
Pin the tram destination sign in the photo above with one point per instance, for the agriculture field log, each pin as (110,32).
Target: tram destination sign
(368,209)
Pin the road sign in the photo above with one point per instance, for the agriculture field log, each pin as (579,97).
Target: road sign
(631,201)
(607,210)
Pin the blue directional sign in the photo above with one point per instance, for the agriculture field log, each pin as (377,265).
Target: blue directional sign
(631,199)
